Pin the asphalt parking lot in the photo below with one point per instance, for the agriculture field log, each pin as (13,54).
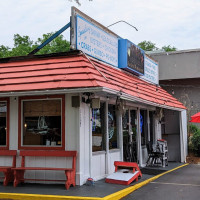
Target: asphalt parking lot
(181,184)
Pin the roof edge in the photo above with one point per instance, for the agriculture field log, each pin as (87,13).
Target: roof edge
(42,56)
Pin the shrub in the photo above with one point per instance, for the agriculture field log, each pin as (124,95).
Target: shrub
(195,141)
(193,128)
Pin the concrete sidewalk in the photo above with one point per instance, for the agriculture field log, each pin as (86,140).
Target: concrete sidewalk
(100,190)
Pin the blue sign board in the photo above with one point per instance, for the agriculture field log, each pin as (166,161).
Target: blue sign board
(131,57)
(96,42)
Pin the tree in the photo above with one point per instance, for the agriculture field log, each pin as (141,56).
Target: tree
(59,44)
(23,45)
(4,51)
(169,48)
(150,46)
(147,46)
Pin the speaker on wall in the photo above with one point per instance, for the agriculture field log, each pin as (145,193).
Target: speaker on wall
(75,101)
(96,103)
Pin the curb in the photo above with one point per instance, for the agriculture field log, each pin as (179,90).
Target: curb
(16,196)
(122,193)
(115,196)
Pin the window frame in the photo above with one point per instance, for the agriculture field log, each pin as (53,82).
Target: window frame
(117,130)
(20,120)
(7,100)
(104,132)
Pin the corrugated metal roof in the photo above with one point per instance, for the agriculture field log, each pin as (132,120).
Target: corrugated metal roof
(77,71)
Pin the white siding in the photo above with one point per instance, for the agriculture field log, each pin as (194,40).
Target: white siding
(84,145)
(98,165)
(114,155)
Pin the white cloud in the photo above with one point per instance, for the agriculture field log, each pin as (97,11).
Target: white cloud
(174,22)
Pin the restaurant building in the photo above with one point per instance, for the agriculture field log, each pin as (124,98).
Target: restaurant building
(70,101)
(101,99)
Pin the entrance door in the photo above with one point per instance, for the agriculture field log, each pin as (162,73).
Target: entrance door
(129,135)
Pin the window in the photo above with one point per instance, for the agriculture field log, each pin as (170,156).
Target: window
(98,128)
(42,123)
(4,123)
(112,127)
(143,127)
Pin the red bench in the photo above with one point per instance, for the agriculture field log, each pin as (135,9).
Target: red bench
(7,170)
(69,172)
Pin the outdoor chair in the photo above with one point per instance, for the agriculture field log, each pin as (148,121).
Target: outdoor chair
(155,156)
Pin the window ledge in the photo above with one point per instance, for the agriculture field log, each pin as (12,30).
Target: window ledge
(98,153)
(114,150)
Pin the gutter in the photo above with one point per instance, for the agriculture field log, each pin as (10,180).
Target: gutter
(90,89)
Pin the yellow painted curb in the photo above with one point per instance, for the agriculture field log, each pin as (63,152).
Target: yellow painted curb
(16,196)
(122,193)
(115,196)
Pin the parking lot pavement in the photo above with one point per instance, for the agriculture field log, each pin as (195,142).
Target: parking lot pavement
(181,184)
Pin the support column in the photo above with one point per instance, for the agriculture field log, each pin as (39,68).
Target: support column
(139,147)
(120,133)
(183,135)
(107,137)
(148,125)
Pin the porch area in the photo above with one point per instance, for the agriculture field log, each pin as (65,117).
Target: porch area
(100,188)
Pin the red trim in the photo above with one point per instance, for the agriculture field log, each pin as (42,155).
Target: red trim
(7,100)
(20,147)
(130,165)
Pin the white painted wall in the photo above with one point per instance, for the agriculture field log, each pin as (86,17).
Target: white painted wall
(13,140)
(114,155)
(98,165)
(84,143)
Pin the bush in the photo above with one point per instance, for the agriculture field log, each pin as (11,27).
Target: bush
(195,141)
(193,128)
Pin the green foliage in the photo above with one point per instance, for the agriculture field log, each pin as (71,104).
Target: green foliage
(150,46)
(23,45)
(194,139)
(169,48)
(193,128)
(55,46)
(147,46)
(4,51)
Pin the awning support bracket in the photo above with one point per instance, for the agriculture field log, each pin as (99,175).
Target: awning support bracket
(50,39)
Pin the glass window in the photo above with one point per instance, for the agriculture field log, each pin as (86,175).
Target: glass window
(133,124)
(42,125)
(129,135)
(112,127)
(151,126)
(98,128)
(125,126)
(3,124)
(143,127)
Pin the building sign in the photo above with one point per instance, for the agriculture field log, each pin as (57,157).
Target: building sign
(150,70)
(131,57)
(96,42)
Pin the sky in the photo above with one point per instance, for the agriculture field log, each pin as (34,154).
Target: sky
(171,22)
